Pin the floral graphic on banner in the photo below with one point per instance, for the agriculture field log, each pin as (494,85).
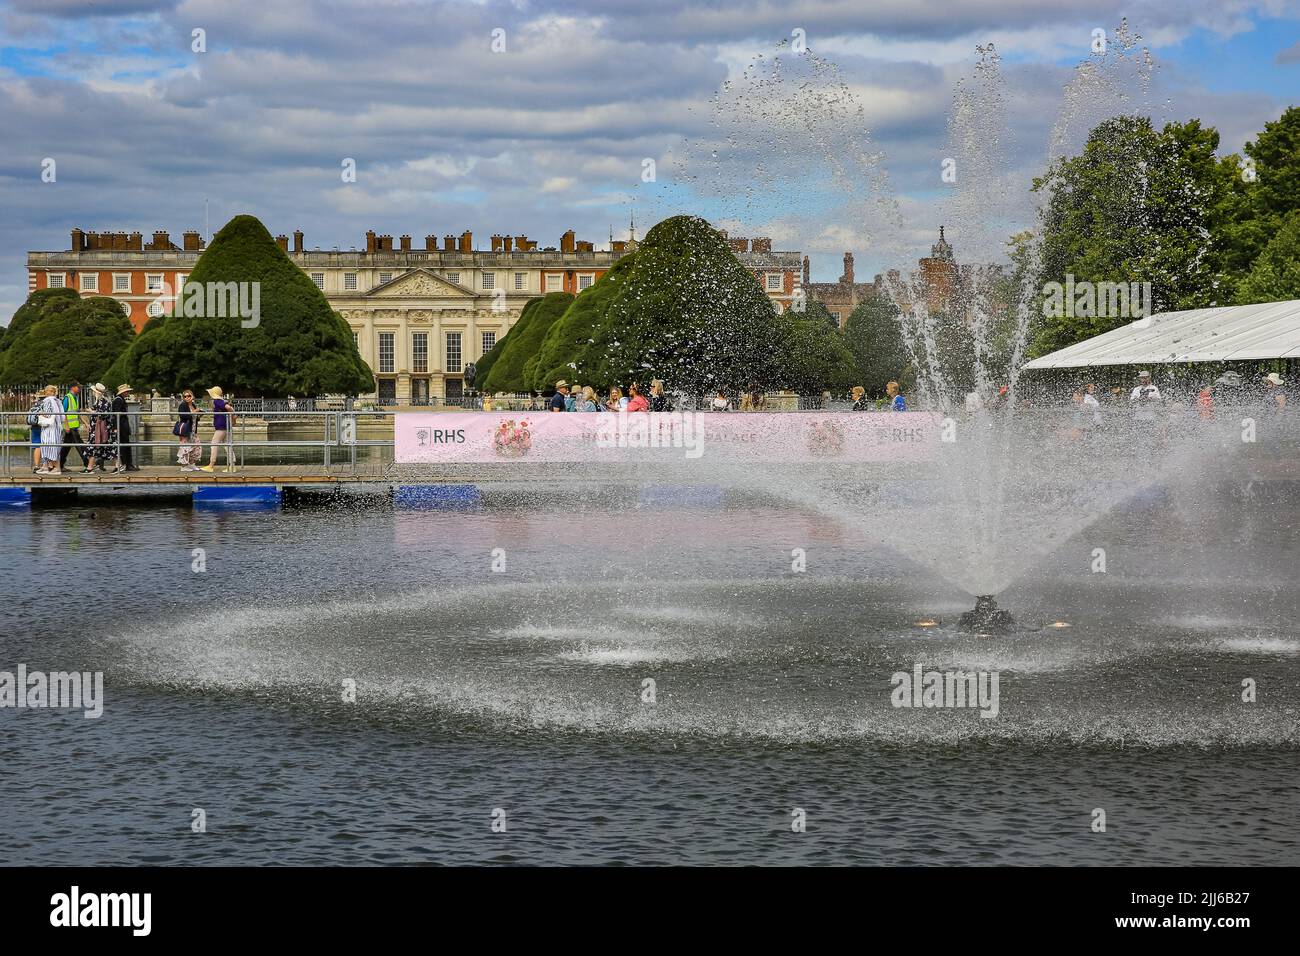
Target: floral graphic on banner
(512,440)
(826,440)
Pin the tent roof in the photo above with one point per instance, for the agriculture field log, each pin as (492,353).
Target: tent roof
(1228,334)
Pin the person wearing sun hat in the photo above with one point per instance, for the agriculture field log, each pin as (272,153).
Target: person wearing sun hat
(1274,393)
(223,418)
(101,439)
(126,456)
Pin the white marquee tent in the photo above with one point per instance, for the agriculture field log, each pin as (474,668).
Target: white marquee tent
(1235,333)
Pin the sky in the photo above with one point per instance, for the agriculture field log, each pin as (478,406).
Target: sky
(826,125)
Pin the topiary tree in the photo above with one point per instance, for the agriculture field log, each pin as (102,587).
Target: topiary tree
(298,344)
(507,371)
(578,344)
(27,314)
(484,365)
(691,314)
(74,341)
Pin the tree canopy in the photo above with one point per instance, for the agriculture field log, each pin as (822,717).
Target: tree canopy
(874,336)
(73,340)
(484,365)
(27,314)
(1275,274)
(297,345)
(508,371)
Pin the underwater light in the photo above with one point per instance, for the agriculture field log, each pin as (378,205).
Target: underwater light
(926,623)
(1060,624)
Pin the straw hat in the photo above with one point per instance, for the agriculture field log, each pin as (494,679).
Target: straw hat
(98,387)
(1274,379)
(216,392)
(561,384)
(123,389)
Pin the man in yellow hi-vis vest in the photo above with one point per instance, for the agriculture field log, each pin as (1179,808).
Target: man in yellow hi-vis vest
(72,427)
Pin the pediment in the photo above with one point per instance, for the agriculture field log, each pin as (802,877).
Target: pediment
(420,283)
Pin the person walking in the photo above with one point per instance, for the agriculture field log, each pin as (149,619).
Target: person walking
(223,419)
(72,427)
(126,456)
(571,400)
(559,401)
(102,430)
(51,421)
(186,429)
(860,403)
(1275,393)
(589,403)
(896,401)
(658,400)
(34,423)
(1145,399)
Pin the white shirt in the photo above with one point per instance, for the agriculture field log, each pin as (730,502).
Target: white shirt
(1145,398)
(1093,406)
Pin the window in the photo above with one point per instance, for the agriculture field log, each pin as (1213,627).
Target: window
(521,280)
(554,283)
(154,309)
(121,282)
(835,316)
(420,352)
(453,277)
(489,280)
(584,282)
(180,282)
(153,282)
(385,277)
(386,351)
(90,282)
(55,280)
(453,351)
(773,281)
(350,281)
(489,342)
(319,279)
(356,341)
(126,309)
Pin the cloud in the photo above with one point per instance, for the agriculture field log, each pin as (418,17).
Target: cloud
(1289,55)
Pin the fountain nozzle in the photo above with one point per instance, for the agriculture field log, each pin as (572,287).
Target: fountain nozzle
(988,617)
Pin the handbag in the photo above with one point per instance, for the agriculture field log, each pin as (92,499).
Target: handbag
(101,432)
(45,421)
(181,429)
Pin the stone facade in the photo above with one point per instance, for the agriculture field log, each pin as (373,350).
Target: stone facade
(419,316)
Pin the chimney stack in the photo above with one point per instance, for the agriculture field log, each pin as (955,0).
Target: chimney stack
(78,241)
(847,278)
(282,242)
(191,241)
(297,240)
(370,241)
(431,243)
(585,246)
(448,243)
(761,245)
(406,243)
(496,243)
(467,241)
(135,242)
(507,244)
(566,241)
(161,240)
(739,244)
(521,243)
(806,270)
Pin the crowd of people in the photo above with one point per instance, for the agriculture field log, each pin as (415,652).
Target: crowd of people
(56,423)
(577,398)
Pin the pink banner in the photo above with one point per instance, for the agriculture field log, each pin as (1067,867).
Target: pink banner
(478,437)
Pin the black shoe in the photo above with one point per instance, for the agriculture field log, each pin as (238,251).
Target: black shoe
(132,467)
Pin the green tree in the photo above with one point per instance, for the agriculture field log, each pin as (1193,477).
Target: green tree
(299,344)
(484,365)
(27,314)
(1275,275)
(578,345)
(815,356)
(525,339)
(73,342)
(874,336)
(1136,206)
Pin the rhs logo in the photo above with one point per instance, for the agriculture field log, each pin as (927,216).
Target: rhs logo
(213,300)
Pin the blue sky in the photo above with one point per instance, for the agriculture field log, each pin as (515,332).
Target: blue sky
(837,149)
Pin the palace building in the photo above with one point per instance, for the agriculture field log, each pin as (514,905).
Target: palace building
(418,315)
